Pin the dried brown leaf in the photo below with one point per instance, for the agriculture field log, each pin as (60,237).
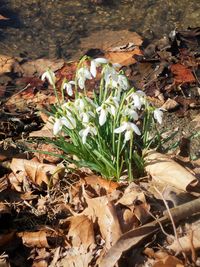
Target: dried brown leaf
(34,239)
(81,232)
(169,261)
(191,239)
(39,66)
(37,172)
(165,170)
(6,64)
(103,211)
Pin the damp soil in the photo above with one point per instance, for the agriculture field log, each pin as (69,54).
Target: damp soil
(55,28)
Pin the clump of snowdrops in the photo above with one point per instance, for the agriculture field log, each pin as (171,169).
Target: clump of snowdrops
(108,132)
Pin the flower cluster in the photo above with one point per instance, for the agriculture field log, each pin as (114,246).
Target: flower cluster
(107,131)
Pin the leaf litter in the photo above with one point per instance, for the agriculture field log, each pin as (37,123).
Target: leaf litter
(52,216)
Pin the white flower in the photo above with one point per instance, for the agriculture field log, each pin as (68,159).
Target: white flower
(130,112)
(79,104)
(158,115)
(50,76)
(112,104)
(96,63)
(103,114)
(82,75)
(88,130)
(68,121)
(123,82)
(128,128)
(68,87)
(84,117)
(138,98)
(110,76)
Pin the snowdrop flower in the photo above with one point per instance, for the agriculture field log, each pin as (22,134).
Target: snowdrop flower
(110,76)
(96,63)
(128,128)
(158,115)
(88,130)
(103,114)
(123,82)
(82,75)
(50,76)
(138,98)
(68,121)
(68,87)
(113,104)
(130,112)
(84,116)
(79,104)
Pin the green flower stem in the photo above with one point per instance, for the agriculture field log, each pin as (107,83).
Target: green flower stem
(130,171)
(118,157)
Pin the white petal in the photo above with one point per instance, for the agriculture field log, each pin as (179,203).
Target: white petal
(81,82)
(158,114)
(50,76)
(123,82)
(93,69)
(85,118)
(101,60)
(137,101)
(57,126)
(87,74)
(121,129)
(69,122)
(102,117)
(135,128)
(72,82)
(69,89)
(133,114)
(113,110)
(84,133)
(128,135)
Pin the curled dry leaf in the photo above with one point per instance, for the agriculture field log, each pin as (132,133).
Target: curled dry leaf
(34,239)
(103,211)
(98,183)
(165,170)
(46,131)
(37,172)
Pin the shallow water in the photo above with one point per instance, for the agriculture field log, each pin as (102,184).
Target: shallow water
(53,28)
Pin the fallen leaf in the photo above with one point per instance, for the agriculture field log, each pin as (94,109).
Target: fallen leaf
(124,58)
(6,64)
(98,183)
(165,170)
(39,66)
(169,261)
(81,232)
(34,239)
(182,74)
(103,211)
(37,172)
(170,104)
(185,243)
(75,257)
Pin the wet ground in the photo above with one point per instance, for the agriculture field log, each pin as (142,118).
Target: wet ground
(53,28)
